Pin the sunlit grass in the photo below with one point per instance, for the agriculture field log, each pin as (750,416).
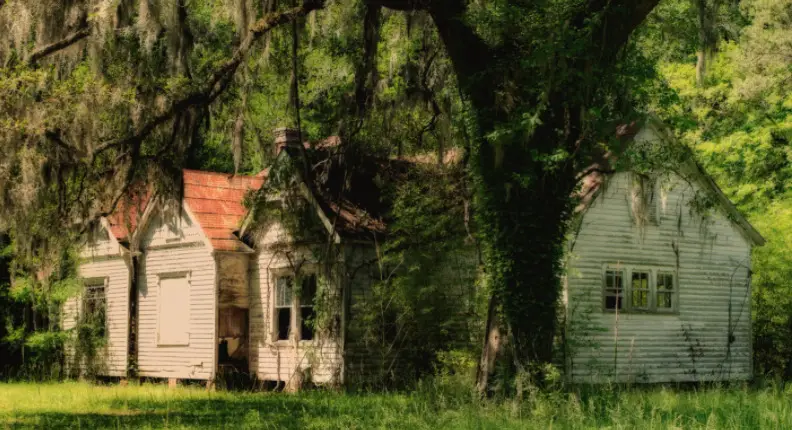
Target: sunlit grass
(435,405)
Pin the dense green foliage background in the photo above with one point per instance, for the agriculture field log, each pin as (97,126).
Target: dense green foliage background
(738,120)
(717,71)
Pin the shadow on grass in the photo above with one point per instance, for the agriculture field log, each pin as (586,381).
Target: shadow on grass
(250,411)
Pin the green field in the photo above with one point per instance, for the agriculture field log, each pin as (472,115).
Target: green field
(81,405)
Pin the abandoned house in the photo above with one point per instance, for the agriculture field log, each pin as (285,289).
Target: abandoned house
(657,283)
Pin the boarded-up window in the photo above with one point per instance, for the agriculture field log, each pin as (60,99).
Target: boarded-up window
(284,298)
(613,289)
(640,290)
(174,310)
(307,313)
(94,311)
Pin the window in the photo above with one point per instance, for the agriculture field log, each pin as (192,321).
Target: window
(294,310)
(648,289)
(640,290)
(95,305)
(284,299)
(613,289)
(173,320)
(665,291)
(307,314)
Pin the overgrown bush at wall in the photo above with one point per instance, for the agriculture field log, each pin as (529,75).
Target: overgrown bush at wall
(424,312)
(33,292)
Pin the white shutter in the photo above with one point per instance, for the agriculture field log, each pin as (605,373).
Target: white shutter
(174,311)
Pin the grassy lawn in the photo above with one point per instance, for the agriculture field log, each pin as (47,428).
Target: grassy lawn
(81,405)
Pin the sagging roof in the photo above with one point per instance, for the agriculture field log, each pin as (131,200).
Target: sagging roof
(355,201)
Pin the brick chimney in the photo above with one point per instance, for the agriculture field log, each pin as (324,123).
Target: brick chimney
(284,137)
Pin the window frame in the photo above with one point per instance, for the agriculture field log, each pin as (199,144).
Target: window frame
(187,275)
(93,282)
(276,308)
(627,271)
(607,291)
(295,323)
(649,289)
(674,291)
(298,298)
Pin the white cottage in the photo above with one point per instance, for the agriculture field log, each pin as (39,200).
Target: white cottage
(657,285)
(186,295)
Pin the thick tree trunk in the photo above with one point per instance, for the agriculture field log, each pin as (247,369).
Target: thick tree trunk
(522,206)
(522,228)
(523,201)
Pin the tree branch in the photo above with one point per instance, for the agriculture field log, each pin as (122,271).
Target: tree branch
(620,18)
(54,47)
(206,95)
(365,74)
(219,80)
(470,56)
(402,5)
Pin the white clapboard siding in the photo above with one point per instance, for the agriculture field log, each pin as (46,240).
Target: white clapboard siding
(113,359)
(712,266)
(167,254)
(278,360)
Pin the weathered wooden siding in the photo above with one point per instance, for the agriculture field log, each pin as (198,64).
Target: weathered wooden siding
(103,259)
(274,360)
(712,260)
(164,254)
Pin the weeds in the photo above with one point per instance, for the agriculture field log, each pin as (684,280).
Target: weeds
(445,402)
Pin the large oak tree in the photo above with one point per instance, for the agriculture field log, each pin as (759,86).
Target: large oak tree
(98,95)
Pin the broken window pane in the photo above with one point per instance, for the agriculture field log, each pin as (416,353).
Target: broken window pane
(307,313)
(284,323)
(613,302)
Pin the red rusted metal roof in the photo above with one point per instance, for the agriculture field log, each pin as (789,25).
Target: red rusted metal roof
(124,220)
(215,200)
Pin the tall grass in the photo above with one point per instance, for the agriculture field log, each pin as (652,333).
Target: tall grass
(441,403)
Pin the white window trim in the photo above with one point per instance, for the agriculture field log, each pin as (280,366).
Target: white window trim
(627,271)
(296,310)
(81,302)
(168,275)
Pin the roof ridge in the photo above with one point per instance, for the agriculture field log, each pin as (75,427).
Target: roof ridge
(229,175)
(217,187)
